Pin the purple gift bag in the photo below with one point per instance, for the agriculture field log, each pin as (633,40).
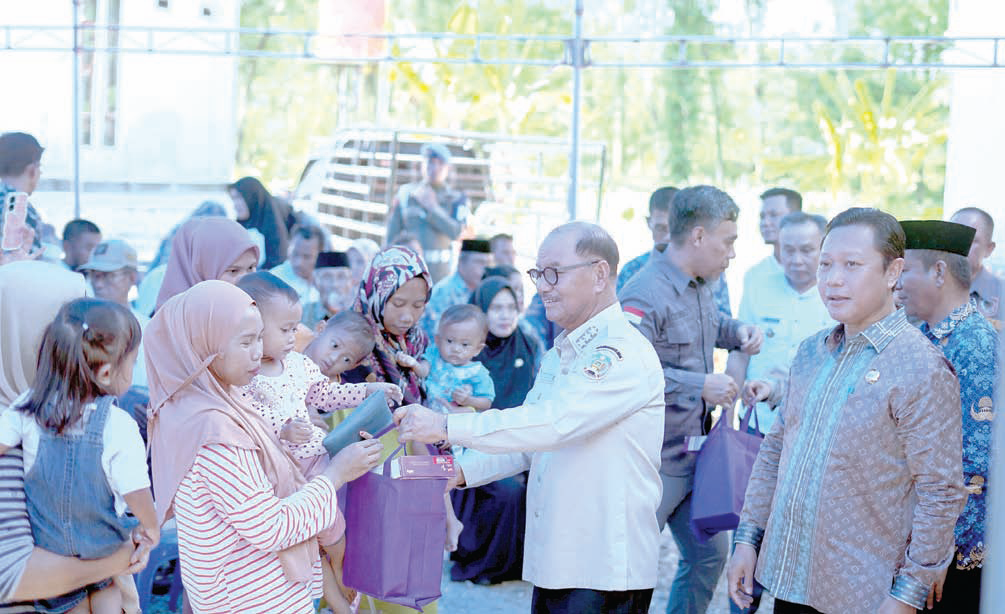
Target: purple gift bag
(395,531)
(721,473)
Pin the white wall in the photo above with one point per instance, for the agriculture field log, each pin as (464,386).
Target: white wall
(976,150)
(176,119)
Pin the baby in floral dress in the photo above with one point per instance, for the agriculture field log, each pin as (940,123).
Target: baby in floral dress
(289,385)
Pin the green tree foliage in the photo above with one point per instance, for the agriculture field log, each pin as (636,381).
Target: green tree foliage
(282,104)
(842,137)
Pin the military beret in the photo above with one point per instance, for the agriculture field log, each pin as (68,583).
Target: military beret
(939,236)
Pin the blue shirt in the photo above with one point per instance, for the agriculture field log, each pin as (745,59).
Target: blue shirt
(307,292)
(969,342)
(720,290)
(444,378)
(449,291)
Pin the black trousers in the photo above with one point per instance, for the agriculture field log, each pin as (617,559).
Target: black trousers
(787,607)
(961,594)
(588,601)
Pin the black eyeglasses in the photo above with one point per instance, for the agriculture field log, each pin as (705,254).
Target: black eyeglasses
(550,273)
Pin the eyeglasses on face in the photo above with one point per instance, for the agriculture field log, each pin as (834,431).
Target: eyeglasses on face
(550,273)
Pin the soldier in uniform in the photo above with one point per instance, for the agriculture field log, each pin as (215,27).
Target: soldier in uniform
(671,303)
(589,432)
(935,288)
(431,210)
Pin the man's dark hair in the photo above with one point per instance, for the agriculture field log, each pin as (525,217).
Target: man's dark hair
(77,227)
(793,199)
(888,236)
(310,232)
(465,312)
(660,199)
(701,205)
(958,266)
(981,213)
(17,151)
(798,217)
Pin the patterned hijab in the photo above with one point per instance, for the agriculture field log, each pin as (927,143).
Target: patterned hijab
(190,408)
(202,249)
(388,271)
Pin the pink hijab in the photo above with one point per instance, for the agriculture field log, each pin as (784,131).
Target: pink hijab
(202,249)
(190,408)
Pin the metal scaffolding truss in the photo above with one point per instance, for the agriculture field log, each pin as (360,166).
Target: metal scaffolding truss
(575,51)
(664,52)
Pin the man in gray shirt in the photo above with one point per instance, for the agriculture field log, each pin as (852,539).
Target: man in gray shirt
(672,306)
(431,210)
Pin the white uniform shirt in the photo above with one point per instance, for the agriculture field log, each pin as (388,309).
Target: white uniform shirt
(590,432)
(787,318)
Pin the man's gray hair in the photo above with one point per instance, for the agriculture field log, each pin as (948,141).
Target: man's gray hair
(701,205)
(592,241)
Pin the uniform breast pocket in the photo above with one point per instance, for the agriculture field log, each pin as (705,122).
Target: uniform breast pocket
(678,336)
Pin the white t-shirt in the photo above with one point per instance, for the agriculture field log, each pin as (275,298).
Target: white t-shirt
(123,457)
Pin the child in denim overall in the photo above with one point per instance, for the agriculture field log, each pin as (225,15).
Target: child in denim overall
(84,459)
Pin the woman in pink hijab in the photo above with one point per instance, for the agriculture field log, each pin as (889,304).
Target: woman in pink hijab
(207,248)
(246,517)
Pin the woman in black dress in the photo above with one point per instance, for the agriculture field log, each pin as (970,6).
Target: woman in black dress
(490,548)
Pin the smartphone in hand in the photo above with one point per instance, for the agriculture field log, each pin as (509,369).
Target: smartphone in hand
(15,213)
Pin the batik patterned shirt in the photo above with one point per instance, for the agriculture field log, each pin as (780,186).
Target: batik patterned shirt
(969,342)
(858,486)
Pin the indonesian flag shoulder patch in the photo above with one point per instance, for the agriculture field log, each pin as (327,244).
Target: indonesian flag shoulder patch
(634,314)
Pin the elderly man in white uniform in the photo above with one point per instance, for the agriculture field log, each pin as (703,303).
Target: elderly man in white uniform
(590,433)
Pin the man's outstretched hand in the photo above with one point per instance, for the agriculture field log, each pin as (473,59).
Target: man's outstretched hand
(420,424)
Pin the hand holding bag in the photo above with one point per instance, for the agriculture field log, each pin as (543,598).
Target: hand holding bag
(721,473)
(395,532)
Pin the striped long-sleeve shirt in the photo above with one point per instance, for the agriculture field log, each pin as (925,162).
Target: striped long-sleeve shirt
(15,530)
(231,527)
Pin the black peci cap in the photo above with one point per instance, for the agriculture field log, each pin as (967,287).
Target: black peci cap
(939,236)
(481,246)
(331,259)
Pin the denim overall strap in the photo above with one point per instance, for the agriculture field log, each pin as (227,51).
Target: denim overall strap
(71,505)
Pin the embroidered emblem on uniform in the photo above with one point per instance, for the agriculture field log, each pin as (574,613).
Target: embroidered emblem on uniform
(984,411)
(616,351)
(519,363)
(872,376)
(600,362)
